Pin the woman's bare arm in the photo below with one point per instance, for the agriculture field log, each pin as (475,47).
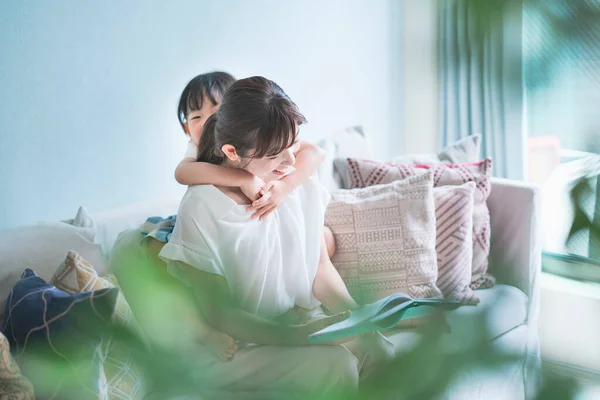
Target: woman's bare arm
(328,286)
(330,289)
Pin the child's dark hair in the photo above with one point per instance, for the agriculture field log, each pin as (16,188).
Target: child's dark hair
(255,114)
(210,86)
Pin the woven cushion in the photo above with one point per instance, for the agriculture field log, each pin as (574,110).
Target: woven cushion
(385,238)
(13,385)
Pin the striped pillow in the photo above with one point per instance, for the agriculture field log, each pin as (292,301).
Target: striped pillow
(454,241)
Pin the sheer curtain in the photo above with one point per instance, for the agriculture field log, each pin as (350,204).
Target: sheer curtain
(480,59)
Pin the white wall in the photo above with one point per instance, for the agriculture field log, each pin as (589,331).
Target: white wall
(89,88)
(570,322)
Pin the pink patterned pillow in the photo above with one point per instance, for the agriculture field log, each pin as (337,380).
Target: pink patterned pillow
(454,241)
(364,173)
(385,238)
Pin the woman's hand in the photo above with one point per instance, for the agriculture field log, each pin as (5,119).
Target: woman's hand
(273,194)
(300,332)
(252,188)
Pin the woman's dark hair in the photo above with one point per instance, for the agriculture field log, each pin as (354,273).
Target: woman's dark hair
(255,114)
(210,86)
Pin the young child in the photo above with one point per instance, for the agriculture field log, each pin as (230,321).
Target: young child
(199,100)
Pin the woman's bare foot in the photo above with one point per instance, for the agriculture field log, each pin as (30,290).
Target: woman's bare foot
(221,345)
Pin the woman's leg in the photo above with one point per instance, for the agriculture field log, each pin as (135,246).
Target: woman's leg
(329,241)
(370,349)
(316,370)
(163,305)
(154,247)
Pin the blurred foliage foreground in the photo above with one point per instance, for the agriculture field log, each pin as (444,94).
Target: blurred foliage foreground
(426,369)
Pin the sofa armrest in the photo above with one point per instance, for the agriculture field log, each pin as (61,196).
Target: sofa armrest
(516,257)
(515,254)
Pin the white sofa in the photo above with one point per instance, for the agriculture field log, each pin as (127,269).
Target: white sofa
(511,307)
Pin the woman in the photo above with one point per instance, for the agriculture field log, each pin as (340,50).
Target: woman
(261,281)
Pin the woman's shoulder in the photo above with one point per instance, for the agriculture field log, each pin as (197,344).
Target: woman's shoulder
(197,193)
(204,199)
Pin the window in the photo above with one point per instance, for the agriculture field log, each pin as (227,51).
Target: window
(562,89)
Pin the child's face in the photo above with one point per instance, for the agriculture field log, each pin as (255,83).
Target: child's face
(196,119)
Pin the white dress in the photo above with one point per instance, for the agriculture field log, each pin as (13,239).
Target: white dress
(269,266)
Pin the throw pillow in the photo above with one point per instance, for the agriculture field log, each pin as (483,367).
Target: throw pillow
(82,219)
(124,377)
(454,241)
(363,173)
(464,150)
(385,237)
(77,275)
(13,385)
(42,247)
(56,336)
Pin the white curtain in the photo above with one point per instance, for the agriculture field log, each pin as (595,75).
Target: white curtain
(480,55)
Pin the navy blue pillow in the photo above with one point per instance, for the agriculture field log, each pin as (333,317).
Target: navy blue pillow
(55,336)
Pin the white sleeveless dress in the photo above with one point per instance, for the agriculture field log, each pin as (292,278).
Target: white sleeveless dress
(269,266)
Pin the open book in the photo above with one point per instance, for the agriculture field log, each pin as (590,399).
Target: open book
(382,314)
